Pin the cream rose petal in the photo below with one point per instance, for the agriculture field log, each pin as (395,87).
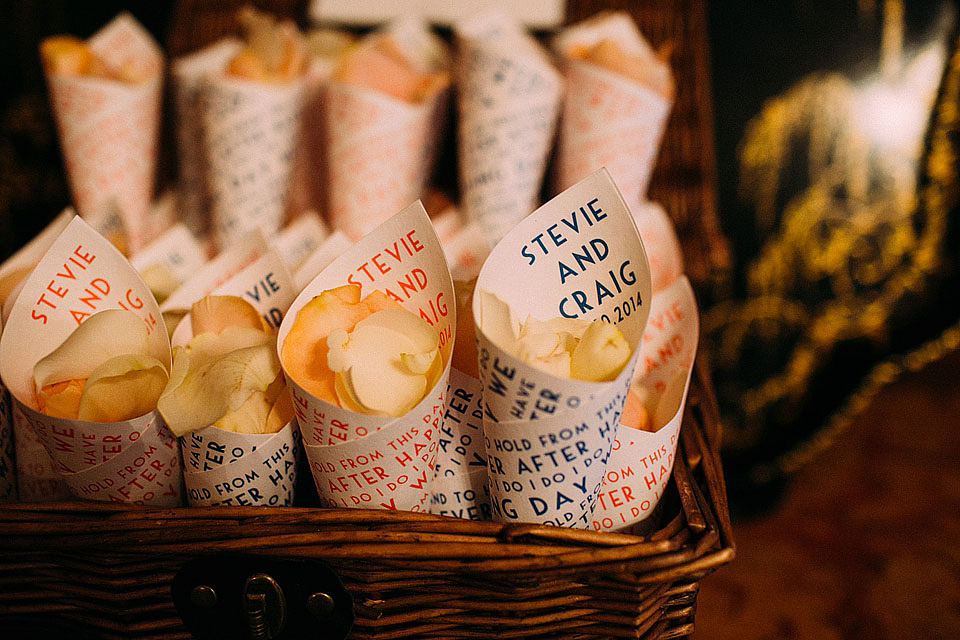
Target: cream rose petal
(122,388)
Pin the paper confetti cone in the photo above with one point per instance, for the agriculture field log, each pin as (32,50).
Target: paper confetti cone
(136,460)
(660,239)
(548,439)
(609,119)
(108,128)
(642,459)
(189,75)
(460,486)
(380,149)
(226,468)
(37,478)
(368,461)
(509,97)
(250,134)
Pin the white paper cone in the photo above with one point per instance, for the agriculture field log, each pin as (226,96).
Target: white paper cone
(642,461)
(460,487)
(608,119)
(217,271)
(509,97)
(109,129)
(37,478)
(226,468)
(265,284)
(177,250)
(250,134)
(547,438)
(189,74)
(660,240)
(368,461)
(136,460)
(239,469)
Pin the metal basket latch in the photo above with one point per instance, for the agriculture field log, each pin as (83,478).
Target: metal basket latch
(238,597)
(265,607)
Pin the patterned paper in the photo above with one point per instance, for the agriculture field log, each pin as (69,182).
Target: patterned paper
(608,119)
(226,468)
(642,461)
(380,150)
(368,461)
(189,75)
(82,273)
(109,129)
(460,487)
(509,97)
(548,439)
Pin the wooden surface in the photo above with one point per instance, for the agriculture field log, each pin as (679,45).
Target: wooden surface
(866,543)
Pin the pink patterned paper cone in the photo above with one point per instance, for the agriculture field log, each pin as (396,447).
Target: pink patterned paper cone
(109,129)
(609,118)
(380,148)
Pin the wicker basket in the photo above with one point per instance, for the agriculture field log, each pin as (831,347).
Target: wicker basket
(112,571)
(109,569)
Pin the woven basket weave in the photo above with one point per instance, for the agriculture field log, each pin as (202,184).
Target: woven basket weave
(109,568)
(108,571)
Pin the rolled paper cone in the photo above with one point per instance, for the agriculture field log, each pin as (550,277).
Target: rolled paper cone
(609,119)
(109,129)
(460,487)
(642,461)
(177,249)
(299,239)
(37,477)
(509,97)
(547,438)
(367,461)
(660,240)
(226,468)
(136,460)
(14,270)
(240,469)
(266,284)
(251,130)
(217,271)
(380,149)
(189,74)
(336,244)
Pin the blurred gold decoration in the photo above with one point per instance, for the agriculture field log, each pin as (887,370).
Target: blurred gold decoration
(830,170)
